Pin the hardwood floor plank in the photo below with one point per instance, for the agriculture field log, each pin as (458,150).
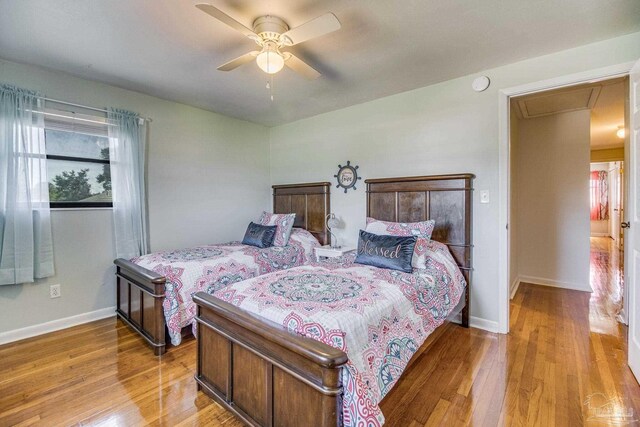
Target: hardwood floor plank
(474,367)
(435,419)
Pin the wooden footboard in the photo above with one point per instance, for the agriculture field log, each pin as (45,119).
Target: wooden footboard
(140,293)
(263,373)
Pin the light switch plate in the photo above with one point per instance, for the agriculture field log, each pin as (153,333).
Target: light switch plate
(484,196)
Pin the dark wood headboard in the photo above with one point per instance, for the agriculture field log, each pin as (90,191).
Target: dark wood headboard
(311,204)
(443,198)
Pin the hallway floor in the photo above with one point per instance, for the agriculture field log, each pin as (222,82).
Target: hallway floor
(607,281)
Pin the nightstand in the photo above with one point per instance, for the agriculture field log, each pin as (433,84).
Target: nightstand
(329,252)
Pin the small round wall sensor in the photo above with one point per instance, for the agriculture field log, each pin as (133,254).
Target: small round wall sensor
(481,83)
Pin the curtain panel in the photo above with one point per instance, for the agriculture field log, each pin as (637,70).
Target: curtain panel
(127,145)
(599,186)
(26,247)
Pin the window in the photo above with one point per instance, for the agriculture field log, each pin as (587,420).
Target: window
(599,191)
(78,167)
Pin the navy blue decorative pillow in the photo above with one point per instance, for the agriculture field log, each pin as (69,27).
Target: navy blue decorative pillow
(392,252)
(260,236)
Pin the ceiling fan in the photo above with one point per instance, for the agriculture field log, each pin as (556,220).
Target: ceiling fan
(273,34)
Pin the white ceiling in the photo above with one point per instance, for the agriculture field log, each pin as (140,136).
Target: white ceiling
(170,49)
(605,99)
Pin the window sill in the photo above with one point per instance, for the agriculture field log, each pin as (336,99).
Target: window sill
(81,209)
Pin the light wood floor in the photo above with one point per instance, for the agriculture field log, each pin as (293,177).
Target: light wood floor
(563,364)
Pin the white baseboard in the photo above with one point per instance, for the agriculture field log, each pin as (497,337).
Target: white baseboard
(543,281)
(600,235)
(622,317)
(487,325)
(514,287)
(477,322)
(55,325)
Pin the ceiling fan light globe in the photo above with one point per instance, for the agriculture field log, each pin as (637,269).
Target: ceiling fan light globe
(270,61)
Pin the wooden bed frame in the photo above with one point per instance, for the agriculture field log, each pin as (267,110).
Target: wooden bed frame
(269,376)
(140,292)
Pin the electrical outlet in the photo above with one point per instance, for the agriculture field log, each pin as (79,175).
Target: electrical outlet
(54,291)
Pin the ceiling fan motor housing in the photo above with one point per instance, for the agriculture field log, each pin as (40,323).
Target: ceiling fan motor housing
(270,27)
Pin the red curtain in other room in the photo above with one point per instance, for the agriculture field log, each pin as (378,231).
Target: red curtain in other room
(599,196)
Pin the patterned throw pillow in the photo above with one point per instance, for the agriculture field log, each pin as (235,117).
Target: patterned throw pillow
(284,224)
(260,236)
(422,230)
(418,229)
(392,252)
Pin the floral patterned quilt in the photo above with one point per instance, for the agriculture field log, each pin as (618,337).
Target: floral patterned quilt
(379,317)
(212,267)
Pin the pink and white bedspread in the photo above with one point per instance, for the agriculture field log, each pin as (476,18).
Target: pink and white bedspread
(212,267)
(379,317)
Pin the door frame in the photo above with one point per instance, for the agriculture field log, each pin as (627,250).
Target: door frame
(615,214)
(504,175)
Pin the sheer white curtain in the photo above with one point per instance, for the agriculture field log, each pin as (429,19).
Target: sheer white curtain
(127,138)
(26,248)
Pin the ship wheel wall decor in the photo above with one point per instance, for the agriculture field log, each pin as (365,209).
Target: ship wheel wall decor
(347,176)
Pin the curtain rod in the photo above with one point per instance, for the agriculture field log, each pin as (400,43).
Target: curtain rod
(71,104)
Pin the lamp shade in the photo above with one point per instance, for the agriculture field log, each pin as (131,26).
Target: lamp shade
(333,222)
(270,61)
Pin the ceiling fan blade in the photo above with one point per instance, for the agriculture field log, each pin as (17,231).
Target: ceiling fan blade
(317,27)
(221,16)
(241,60)
(300,67)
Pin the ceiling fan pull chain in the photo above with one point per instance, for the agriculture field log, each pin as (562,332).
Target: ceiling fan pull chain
(271,87)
